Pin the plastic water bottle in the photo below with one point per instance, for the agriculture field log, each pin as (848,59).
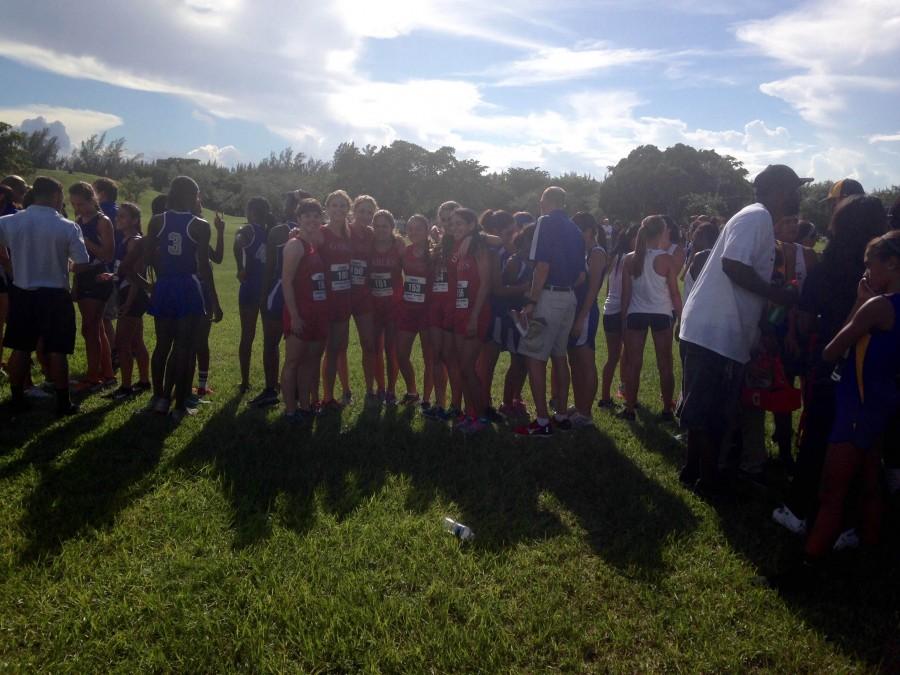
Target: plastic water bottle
(458,530)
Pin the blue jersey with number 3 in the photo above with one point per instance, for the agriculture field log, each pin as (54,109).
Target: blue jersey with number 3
(177,251)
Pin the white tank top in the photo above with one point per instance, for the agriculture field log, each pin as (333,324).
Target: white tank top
(800,266)
(613,304)
(649,292)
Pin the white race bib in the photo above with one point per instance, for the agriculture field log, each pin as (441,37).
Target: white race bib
(318,283)
(414,289)
(380,283)
(358,270)
(462,294)
(340,277)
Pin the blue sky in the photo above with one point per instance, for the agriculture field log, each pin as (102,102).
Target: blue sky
(568,85)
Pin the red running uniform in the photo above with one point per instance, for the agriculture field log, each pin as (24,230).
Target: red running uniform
(440,300)
(336,252)
(468,282)
(311,297)
(361,250)
(412,311)
(385,281)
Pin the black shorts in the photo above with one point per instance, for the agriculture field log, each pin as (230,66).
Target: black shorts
(655,322)
(138,307)
(88,288)
(612,323)
(710,389)
(42,314)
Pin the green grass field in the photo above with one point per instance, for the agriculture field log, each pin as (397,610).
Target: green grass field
(235,542)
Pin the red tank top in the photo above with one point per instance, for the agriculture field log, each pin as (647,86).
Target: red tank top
(309,281)
(385,277)
(415,277)
(440,281)
(336,252)
(467,279)
(360,250)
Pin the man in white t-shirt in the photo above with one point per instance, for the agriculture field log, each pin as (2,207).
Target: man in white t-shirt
(720,321)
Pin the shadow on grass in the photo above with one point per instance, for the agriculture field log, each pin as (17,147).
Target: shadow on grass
(88,490)
(508,490)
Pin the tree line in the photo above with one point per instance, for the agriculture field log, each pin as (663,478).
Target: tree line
(406,178)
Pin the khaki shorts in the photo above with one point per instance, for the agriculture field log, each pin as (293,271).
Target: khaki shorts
(549,328)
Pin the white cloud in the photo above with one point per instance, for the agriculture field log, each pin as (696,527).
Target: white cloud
(227,155)
(885,138)
(79,124)
(553,64)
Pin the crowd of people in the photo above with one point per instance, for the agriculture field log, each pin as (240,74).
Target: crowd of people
(763,322)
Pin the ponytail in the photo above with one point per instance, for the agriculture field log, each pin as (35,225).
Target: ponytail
(651,226)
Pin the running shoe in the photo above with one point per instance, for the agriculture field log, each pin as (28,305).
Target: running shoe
(520,408)
(535,429)
(87,386)
(666,416)
(161,406)
(606,403)
(475,426)
(331,406)
(37,393)
(849,539)
(409,399)
(109,382)
(425,404)
(462,423)
(346,398)
(141,387)
(390,398)
(508,411)
(372,399)
(580,421)
(179,414)
(192,401)
(786,518)
(120,394)
(492,416)
(266,398)
(561,424)
(244,388)
(435,412)
(627,414)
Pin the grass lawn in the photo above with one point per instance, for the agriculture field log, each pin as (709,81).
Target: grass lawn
(236,542)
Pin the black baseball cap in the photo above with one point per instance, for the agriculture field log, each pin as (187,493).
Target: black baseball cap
(778,176)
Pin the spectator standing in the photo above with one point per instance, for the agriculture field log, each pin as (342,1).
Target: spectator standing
(42,243)
(720,322)
(557,252)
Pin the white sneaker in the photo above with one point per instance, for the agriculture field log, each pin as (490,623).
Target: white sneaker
(848,539)
(786,518)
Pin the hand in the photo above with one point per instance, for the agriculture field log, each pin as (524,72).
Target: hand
(296,326)
(528,310)
(217,313)
(577,327)
(219,222)
(864,292)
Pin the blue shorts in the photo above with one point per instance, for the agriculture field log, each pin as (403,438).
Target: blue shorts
(862,424)
(177,297)
(274,304)
(250,292)
(588,337)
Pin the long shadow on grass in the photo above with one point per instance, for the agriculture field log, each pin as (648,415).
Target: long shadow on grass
(508,490)
(90,488)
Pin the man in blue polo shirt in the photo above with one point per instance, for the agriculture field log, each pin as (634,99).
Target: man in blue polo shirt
(557,251)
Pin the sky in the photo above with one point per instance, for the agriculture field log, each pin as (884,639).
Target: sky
(565,85)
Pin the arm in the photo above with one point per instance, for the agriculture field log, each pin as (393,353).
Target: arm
(541,272)
(240,243)
(747,278)
(875,313)
(201,234)
(672,282)
(627,280)
(293,254)
(484,272)
(217,254)
(596,265)
(78,253)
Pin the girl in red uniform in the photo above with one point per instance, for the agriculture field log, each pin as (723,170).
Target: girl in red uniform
(364,208)
(472,315)
(336,251)
(440,321)
(412,307)
(306,313)
(385,285)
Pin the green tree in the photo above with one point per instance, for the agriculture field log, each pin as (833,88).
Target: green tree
(42,149)
(13,156)
(132,187)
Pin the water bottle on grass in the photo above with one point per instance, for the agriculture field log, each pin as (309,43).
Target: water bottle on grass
(458,530)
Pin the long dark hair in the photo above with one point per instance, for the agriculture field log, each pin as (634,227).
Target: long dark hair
(856,221)
(586,221)
(470,217)
(624,244)
(651,226)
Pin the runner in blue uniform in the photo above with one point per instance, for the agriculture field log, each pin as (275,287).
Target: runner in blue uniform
(250,255)
(177,244)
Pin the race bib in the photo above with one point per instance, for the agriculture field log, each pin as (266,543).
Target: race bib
(440,283)
(380,283)
(340,277)
(358,270)
(318,286)
(414,289)
(462,294)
